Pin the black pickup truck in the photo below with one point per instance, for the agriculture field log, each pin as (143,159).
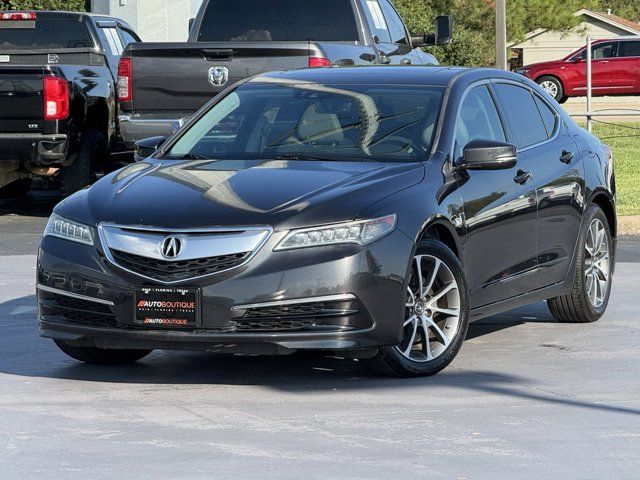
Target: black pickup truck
(57,97)
(161,84)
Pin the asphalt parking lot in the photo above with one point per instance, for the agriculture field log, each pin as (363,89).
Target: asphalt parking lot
(527,397)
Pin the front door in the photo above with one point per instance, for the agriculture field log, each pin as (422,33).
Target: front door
(500,210)
(601,56)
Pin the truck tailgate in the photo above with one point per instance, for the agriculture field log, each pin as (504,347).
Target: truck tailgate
(175,76)
(21,101)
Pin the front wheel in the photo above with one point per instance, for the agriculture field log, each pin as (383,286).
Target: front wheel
(553,87)
(102,356)
(436,315)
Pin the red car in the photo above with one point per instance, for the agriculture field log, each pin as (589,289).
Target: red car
(615,71)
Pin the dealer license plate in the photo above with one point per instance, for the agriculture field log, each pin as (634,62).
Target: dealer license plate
(167,307)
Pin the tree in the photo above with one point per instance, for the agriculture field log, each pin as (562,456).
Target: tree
(71,5)
(629,9)
(473,23)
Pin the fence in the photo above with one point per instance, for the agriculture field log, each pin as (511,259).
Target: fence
(590,113)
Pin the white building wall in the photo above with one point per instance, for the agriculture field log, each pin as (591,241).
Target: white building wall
(153,20)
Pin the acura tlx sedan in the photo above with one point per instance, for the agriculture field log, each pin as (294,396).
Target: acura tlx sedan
(371,211)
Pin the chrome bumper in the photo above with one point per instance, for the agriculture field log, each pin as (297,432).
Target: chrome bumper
(134,128)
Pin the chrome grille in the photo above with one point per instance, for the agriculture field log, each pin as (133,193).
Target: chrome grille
(166,271)
(195,253)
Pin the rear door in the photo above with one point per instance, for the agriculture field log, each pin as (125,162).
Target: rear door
(500,209)
(625,67)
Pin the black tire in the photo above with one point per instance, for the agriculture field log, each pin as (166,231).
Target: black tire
(559,95)
(81,172)
(16,189)
(575,306)
(390,362)
(563,99)
(102,356)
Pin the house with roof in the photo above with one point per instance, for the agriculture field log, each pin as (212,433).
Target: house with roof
(542,45)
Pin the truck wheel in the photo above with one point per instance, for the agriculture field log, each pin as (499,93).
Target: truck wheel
(436,316)
(81,172)
(553,87)
(16,189)
(102,356)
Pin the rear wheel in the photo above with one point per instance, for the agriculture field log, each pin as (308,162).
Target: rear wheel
(553,87)
(436,316)
(589,295)
(102,356)
(81,172)
(16,189)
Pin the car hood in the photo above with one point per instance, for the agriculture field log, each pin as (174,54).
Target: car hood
(552,63)
(283,194)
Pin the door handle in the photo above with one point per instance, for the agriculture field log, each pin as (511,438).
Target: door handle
(405,61)
(566,157)
(522,177)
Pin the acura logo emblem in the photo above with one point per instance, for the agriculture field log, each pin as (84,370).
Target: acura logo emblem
(218,76)
(171,247)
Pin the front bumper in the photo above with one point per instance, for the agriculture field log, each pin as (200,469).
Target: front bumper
(361,290)
(138,127)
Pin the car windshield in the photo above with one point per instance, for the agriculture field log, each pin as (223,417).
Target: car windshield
(311,121)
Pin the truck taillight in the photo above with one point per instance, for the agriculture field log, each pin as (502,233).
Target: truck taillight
(18,16)
(125,80)
(315,62)
(56,98)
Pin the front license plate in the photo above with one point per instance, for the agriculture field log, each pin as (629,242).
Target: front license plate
(167,307)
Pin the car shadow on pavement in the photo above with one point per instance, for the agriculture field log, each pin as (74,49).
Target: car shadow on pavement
(23,353)
(38,203)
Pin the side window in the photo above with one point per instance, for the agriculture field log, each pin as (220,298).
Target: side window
(127,37)
(600,51)
(549,115)
(523,115)
(629,49)
(376,20)
(111,43)
(478,119)
(396,27)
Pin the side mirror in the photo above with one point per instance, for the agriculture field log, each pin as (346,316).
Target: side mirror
(443,35)
(488,155)
(147,147)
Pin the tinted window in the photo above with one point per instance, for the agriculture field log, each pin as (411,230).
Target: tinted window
(377,22)
(602,50)
(478,119)
(46,34)
(549,116)
(523,115)
(337,122)
(396,27)
(278,20)
(629,49)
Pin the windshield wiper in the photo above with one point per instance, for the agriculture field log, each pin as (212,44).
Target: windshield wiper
(186,156)
(304,156)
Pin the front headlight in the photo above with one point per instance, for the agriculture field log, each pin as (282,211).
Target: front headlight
(360,232)
(523,71)
(61,227)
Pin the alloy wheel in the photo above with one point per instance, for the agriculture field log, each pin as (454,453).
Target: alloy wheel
(432,318)
(597,264)
(550,87)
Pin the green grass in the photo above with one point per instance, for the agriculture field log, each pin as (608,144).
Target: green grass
(624,140)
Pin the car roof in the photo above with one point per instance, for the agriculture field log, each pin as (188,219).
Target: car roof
(388,75)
